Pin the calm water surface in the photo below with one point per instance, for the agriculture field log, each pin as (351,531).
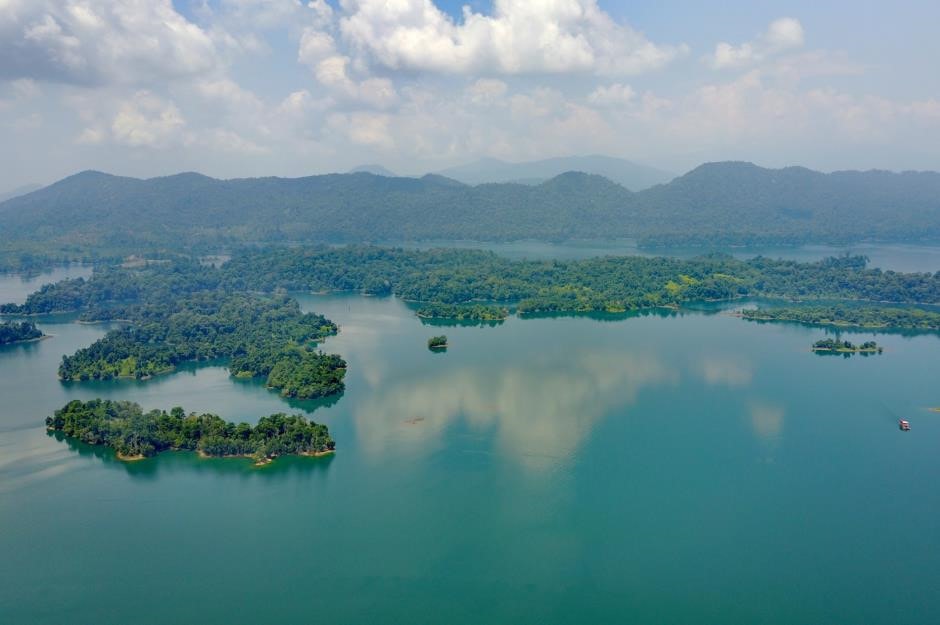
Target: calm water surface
(691,468)
(15,288)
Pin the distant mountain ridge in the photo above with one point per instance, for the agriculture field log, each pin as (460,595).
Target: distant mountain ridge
(18,191)
(628,174)
(716,203)
(373,168)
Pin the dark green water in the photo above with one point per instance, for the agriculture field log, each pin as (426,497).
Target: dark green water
(681,469)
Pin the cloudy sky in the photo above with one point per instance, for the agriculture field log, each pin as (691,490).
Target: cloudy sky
(294,87)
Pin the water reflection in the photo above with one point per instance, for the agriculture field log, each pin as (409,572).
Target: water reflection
(726,371)
(540,409)
(766,419)
(25,459)
(190,462)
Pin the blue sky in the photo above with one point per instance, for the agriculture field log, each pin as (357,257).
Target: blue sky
(290,87)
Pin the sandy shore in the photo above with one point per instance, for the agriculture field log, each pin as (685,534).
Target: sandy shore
(134,458)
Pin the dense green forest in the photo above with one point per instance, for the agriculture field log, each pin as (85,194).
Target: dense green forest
(463,312)
(453,276)
(15,332)
(306,374)
(846,347)
(133,433)
(261,338)
(862,317)
(95,214)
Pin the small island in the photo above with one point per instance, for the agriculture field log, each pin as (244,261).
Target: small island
(134,434)
(13,332)
(839,346)
(437,343)
(463,312)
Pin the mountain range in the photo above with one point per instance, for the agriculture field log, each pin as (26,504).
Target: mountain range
(716,203)
(628,174)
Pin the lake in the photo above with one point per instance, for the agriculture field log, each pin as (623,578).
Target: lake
(667,468)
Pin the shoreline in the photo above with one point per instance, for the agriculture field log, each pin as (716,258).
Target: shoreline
(266,460)
(835,324)
(35,340)
(847,351)
(134,458)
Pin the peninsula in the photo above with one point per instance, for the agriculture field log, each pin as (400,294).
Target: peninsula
(850,316)
(13,332)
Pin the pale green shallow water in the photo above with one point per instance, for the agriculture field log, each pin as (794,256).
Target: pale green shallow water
(685,469)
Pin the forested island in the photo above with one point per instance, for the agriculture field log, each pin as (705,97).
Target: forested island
(134,434)
(19,332)
(437,342)
(851,316)
(463,312)
(840,346)
(181,310)
(260,337)
(462,277)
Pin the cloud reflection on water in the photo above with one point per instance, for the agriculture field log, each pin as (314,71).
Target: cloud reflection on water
(726,371)
(767,420)
(534,410)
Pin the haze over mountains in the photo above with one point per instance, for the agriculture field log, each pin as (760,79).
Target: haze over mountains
(716,203)
(18,191)
(626,173)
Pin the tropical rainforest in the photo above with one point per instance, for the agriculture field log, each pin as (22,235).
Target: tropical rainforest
(854,316)
(454,276)
(260,337)
(133,433)
(17,332)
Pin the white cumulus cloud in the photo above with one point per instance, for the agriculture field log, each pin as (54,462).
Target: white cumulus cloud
(783,34)
(146,120)
(83,42)
(612,95)
(519,37)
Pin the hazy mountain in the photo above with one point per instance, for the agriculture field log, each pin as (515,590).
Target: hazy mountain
(625,173)
(18,191)
(375,169)
(729,203)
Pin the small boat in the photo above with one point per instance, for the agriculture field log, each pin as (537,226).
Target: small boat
(904,425)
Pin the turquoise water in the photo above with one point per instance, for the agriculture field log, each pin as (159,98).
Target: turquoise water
(690,468)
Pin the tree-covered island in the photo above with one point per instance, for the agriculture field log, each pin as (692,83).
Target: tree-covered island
(134,434)
(462,277)
(182,310)
(260,337)
(19,332)
(850,316)
(840,346)
(463,312)
(437,342)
